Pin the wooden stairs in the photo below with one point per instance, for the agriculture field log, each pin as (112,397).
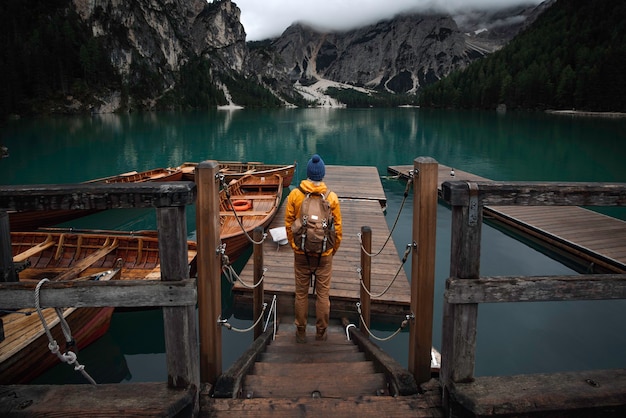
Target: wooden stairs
(337,377)
(334,368)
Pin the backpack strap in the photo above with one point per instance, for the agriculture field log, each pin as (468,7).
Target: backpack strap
(324,195)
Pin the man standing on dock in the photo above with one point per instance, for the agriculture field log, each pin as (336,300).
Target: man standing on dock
(312,267)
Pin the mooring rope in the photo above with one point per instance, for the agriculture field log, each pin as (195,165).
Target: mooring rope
(232,208)
(403,325)
(69,356)
(395,223)
(232,276)
(404,258)
(224,322)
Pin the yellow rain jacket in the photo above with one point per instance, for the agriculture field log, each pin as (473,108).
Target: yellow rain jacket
(292,211)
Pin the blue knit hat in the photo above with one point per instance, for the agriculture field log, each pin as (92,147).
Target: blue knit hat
(315,169)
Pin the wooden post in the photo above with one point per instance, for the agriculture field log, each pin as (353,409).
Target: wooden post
(458,349)
(7,269)
(258,297)
(180,323)
(423,266)
(209,270)
(366,275)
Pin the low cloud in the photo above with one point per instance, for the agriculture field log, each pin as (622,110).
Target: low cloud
(264,19)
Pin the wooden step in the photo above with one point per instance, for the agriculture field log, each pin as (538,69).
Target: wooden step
(326,384)
(312,357)
(306,369)
(312,347)
(362,406)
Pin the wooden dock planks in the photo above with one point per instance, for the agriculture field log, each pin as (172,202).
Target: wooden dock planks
(596,239)
(361,195)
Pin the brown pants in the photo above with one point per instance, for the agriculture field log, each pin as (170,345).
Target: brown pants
(304,268)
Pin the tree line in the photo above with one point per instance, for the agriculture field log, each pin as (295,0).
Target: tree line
(573,57)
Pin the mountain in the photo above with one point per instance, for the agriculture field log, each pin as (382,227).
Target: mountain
(399,55)
(73,56)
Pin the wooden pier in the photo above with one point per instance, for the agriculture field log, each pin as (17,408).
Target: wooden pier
(194,367)
(585,240)
(362,201)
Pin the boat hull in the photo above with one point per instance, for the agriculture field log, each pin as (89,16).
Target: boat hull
(32,219)
(34,357)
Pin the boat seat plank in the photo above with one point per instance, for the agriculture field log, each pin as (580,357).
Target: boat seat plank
(255,197)
(83,264)
(244,213)
(23,256)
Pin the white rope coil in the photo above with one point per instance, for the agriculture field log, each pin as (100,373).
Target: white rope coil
(69,356)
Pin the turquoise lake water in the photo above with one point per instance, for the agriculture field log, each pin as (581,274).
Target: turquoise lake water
(512,338)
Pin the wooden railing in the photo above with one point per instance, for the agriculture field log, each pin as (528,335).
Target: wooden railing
(175,293)
(465,289)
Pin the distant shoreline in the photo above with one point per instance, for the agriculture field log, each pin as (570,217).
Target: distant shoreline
(588,114)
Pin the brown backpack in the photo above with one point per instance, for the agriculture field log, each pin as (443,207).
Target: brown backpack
(314,230)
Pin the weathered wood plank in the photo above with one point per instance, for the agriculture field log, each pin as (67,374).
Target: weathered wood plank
(534,289)
(108,400)
(544,392)
(335,384)
(125,293)
(536,193)
(426,405)
(97,196)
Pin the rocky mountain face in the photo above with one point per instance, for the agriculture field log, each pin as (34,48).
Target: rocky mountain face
(399,55)
(163,35)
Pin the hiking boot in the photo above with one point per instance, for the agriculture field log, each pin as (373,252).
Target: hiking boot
(301,335)
(321,335)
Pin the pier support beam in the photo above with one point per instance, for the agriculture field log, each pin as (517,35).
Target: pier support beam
(209,271)
(180,322)
(423,266)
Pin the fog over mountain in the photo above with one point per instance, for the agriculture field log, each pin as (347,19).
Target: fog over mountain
(269,18)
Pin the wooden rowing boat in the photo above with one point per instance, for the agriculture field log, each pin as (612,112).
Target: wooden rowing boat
(234,170)
(57,251)
(57,255)
(156,174)
(253,202)
(30,220)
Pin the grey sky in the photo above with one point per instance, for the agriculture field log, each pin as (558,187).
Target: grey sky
(268,18)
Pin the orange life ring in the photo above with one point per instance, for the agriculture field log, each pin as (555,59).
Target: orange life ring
(241,205)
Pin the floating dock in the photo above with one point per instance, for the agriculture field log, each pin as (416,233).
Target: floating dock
(585,240)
